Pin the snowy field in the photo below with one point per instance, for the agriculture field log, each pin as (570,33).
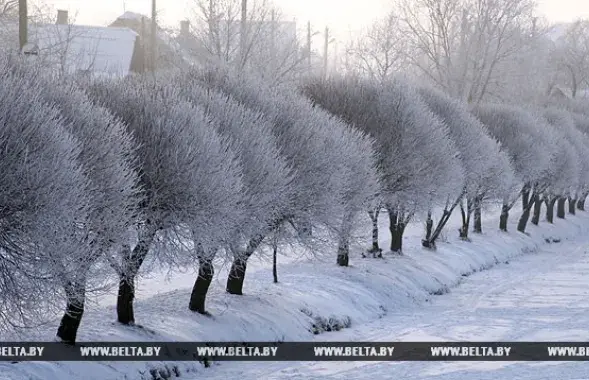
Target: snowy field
(421,296)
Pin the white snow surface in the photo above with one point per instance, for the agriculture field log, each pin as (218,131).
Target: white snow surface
(536,291)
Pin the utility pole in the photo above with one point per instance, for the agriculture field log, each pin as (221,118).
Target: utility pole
(22,23)
(243,31)
(153,34)
(325,52)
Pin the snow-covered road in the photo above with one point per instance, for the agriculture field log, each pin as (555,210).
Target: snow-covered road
(537,297)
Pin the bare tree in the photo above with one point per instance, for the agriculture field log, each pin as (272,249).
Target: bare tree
(380,51)
(461,45)
(571,57)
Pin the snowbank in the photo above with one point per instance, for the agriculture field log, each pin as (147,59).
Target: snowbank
(310,298)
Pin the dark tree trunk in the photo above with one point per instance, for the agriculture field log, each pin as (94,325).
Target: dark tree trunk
(537,210)
(478,217)
(70,322)
(550,209)
(526,208)
(239,265)
(572,205)
(375,250)
(343,254)
(130,268)
(581,203)
(463,231)
(237,275)
(504,217)
(397,227)
(275,261)
(431,242)
(560,208)
(429,225)
(198,297)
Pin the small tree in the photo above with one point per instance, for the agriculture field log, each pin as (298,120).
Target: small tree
(191,179)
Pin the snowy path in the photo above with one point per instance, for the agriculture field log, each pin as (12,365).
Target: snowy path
(538,297)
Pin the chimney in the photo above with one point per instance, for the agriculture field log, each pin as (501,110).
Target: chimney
(62,17)
(185,28)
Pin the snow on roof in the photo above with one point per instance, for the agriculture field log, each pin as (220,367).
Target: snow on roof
(93,49)
(131,16)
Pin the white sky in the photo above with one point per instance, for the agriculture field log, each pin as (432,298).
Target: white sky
(342,16)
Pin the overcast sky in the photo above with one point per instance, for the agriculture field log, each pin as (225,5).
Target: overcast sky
(340,15)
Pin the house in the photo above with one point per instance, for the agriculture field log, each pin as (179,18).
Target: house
(94,50)
(168,53)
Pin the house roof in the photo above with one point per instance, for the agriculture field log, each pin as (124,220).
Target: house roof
(79,48)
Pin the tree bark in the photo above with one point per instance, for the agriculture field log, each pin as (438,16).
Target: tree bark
(429,225)
(478,217)
(130,268)
(375,250)
(237,276)
(550,210)
(198,297)
(397,227)
(463,231)
(560,208)
(239,265)
(537,210)
(572,205)
(70,322)
(581,203)
(431,242)
(504,217)
(526,208)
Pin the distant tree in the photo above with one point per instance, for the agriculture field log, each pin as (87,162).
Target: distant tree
(570,56)
(464,46)
(380,51)
(191,179)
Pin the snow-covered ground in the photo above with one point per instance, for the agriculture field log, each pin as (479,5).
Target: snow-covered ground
(539,296)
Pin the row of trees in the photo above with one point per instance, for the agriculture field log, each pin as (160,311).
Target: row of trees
(189,167)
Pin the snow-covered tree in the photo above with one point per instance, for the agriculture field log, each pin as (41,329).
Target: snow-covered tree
(43,200)
(487,170)
(191,179)
(566,183)
(417,161)
(520,134)
(317,147)
(266,174)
